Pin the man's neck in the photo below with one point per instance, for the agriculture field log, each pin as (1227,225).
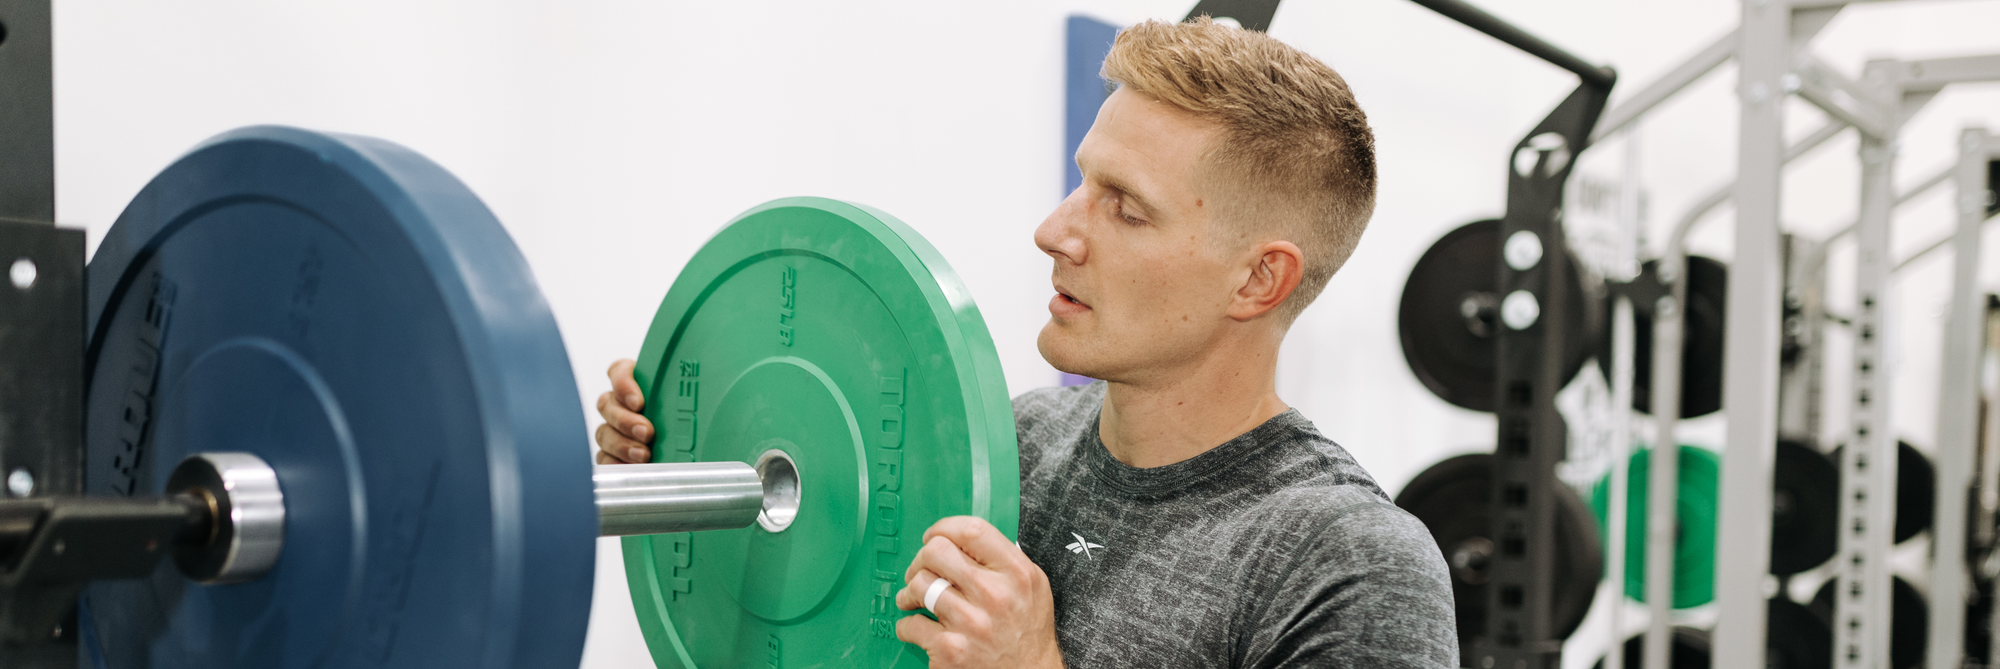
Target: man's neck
(1155,423)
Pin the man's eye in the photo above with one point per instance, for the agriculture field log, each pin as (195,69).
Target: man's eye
(1134,220)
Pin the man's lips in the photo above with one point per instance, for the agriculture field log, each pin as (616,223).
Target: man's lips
(1063,293)
(1064,304)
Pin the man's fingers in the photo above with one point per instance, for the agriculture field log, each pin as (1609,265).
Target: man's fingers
(624,386)
(950,606)
(624,435)
(617,445)
(944,560)
(632,425)
(919,630)
(911,597)
(976,538)
(934,636)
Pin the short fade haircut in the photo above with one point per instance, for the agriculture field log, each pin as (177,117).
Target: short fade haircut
(1295,148)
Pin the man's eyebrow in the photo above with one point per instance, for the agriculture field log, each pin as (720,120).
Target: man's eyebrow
(1120,185)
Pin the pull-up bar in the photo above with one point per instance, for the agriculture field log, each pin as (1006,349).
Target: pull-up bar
(1477,19)
(1256,15)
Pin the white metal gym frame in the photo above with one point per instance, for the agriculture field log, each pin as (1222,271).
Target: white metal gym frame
(1889,94)
(1958,401)
(1768,46)
(1622,345)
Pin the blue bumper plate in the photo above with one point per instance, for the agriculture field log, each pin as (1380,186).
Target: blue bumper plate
(351,313)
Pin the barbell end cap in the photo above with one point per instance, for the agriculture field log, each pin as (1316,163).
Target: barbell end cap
(246,512)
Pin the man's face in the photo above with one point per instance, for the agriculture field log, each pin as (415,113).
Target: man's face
(1141,285)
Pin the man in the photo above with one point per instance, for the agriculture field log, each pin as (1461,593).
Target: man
(1179,514)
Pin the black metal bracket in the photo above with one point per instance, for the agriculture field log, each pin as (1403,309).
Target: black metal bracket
(27,113)
(1532,435)
(41,329)
(41,360)
(41,424)
(1251,14)
(50,547)
(1477,19)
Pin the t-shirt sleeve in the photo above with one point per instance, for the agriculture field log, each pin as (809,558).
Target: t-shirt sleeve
(1369,590)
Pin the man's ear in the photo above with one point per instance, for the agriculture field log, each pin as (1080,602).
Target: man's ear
(1278,267)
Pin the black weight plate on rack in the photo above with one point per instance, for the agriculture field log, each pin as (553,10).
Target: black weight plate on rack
(1805,508)
(1909,620)
(1979,621)
(1701,341)
(1689,649)
(1795,637)
(1916,491)
(1992,186)
(1916,486)
(1452,498)
(1450,306)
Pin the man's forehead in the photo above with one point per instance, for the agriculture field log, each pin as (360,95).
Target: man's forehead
(1130,113)
(1141,143)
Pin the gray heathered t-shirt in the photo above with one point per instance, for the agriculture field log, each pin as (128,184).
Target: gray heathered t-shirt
(1272,550)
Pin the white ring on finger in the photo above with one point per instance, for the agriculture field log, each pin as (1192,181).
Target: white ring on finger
(931,594)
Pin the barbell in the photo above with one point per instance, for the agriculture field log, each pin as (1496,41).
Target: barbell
(345,318)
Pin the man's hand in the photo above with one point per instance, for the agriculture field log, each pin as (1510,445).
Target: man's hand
(624,436)
(998,611)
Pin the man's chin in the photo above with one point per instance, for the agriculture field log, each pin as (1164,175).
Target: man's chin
(1066,354)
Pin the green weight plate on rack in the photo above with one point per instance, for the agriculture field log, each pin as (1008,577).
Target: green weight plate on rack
(834,333)
(1694,548)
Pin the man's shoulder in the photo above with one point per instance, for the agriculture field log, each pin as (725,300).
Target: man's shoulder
(1359,582)
(1337,511)
(1331,501)
(1352,521)
(1311,470)
(1346,566)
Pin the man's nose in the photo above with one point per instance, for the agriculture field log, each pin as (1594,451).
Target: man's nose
(1060,234)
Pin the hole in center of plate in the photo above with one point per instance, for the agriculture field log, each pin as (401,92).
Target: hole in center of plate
(781,490)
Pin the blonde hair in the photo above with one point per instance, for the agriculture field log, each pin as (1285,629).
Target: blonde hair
(1295,148)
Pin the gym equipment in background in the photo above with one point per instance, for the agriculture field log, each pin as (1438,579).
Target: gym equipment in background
(1909,620)
(1452,498)
(1701,341)
(336,332)
(1451,311)
(1532,349)
(1805,509)
(1689,650)
(835,338)
(1798,638)
(1916,487)
(1694,546)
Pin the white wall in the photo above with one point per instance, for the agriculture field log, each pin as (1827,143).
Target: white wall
(613,137)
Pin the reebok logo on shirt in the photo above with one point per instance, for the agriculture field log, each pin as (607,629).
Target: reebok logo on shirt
(1082,546)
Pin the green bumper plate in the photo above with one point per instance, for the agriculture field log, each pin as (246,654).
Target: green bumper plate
(835,333)
(1697,505)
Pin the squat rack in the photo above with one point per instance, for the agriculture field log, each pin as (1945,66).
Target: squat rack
(1773,64)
